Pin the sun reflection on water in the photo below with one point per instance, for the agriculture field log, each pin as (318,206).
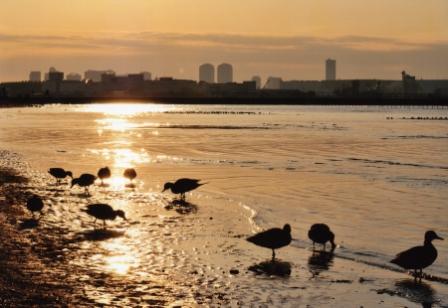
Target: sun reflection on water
(126,109)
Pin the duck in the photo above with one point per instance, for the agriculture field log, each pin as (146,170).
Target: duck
(274,238)
(419,257)
(35,204)
(182,186)
(321,233)
(85,180)
(130,174)
(104,173)
(60,173)
(103,212)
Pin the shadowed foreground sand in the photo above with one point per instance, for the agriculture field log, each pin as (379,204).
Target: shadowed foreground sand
(168,254)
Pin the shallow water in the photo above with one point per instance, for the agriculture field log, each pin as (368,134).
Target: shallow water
(376,176)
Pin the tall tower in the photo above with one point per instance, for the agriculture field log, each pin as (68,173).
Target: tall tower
(225,73)
(35,76)
(207,73)
(330,69)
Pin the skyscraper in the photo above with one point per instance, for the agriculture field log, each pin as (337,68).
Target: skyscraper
(257,80)
(35,76)
(207,73)
(225,73)
(330,69)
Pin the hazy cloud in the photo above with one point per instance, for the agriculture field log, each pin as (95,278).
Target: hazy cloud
(179,54)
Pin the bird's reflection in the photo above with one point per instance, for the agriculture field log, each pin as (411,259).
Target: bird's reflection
(182,207)
(418,292)
(272,268)
(29,224)
(320,261)
(98,235)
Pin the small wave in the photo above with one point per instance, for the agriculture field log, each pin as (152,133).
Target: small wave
(415,137)
(395,163)
(373,259)
(186,126)
(219,112)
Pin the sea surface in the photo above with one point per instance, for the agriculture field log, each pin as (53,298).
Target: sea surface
(377,175)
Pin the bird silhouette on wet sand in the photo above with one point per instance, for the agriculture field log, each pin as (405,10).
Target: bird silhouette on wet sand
(103,212)
(35,204)
(60,174)
(321,233)
(130,174)
(182,186)
(85,180)
(419,257)
(274,238)
(104,173)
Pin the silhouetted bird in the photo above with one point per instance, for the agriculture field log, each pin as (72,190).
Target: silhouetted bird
(321,233)
(274,238)
(130,174)
(85,180)
(103,212)
(60,173)
(182,186)
(35,204)
(419,257)
(104,173)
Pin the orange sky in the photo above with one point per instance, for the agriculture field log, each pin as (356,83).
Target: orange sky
(138,35)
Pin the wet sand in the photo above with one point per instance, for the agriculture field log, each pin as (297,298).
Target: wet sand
(168,254)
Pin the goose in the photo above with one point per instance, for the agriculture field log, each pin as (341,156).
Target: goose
(130,174)
(104,212)
(60,173)
(418,257)
(182,186)
(274,238)
(85,180)
(321,233)
(35,204)
(104,173)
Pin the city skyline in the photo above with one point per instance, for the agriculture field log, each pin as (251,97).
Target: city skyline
(283,38)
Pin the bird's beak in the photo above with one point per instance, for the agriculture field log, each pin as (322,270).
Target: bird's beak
(439,238)
(164,190)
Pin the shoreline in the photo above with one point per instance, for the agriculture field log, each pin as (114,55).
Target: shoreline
(237,100)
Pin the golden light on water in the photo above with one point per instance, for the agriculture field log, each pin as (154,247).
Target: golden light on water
(121,259)
(125,109)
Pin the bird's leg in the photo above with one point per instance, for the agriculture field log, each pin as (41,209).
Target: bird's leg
(94,223)
(313,246)
(325,246)
(104,224)
(273,255)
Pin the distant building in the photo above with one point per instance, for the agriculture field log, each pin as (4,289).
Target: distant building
(225,73)
(146,76)
(273,83)
(51,70)
(35,76)
(74,77)
(56,76)
(94,75)
(257,80)
(330,69)
(207,73)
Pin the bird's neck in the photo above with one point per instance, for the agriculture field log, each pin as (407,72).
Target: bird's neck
(428,243)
